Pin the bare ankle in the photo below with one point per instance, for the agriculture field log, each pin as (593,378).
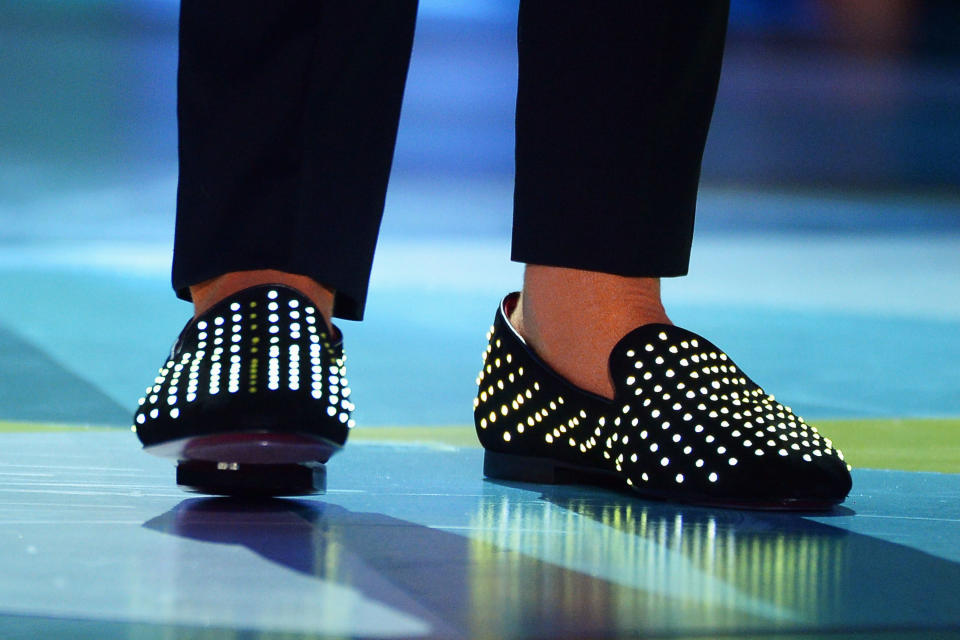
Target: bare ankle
(208,293)
(573,319)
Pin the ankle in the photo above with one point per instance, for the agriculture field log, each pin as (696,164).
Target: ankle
(208,293)
(573,319)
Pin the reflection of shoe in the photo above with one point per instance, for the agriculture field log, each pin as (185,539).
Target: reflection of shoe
(686,424)
(252,399)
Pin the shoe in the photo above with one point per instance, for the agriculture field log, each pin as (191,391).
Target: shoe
(686,425)
(253,399)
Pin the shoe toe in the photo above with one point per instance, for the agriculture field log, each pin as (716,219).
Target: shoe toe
(785,483)
(735,441)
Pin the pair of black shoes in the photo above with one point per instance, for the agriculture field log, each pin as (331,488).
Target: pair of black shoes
(254,399)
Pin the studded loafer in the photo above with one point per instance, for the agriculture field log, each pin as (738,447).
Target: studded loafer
(253,398)
(686,424)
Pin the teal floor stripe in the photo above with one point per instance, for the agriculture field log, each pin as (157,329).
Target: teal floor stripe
(35,387)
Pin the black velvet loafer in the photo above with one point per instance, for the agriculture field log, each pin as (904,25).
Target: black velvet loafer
(253,399)
(686,424)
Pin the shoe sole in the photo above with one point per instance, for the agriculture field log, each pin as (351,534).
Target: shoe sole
(251,480)
(529,469)
(250,464)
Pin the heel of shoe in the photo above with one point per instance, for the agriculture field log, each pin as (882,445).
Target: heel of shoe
(251,480)
(506,466)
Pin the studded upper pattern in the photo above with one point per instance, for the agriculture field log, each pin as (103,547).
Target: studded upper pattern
(686,422)
(262,359)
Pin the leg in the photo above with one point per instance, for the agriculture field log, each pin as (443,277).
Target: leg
(584,378)
(613,107)
(288,116)
(208,293)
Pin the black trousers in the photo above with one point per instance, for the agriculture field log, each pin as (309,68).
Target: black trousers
(288,111)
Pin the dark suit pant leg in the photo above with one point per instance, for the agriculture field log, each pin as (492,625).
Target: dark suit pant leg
(288,114)
(613,106)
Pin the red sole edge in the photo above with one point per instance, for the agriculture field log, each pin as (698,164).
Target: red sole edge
(248,448)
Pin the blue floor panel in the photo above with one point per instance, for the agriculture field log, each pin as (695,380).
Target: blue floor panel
(410,541)
(414,360)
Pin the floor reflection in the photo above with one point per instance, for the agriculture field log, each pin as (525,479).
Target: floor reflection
(700,568)
(462,587)
(576,563)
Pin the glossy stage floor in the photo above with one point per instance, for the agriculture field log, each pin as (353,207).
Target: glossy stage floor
(410,540)
(845,304)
